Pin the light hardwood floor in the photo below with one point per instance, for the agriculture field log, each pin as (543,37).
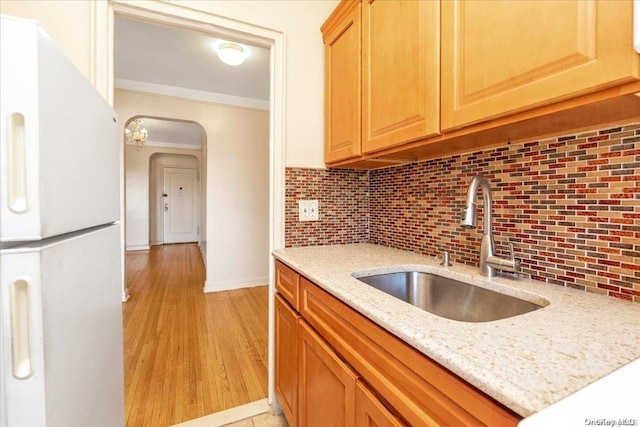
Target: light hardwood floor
(189,354)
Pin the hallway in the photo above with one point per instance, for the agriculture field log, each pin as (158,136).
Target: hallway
(189,354)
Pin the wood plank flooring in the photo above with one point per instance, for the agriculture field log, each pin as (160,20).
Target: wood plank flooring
(189,354)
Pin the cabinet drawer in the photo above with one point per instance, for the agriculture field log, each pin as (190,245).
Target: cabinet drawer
(287,283)
(422,391)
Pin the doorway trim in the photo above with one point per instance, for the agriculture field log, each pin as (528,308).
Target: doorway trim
(179,16)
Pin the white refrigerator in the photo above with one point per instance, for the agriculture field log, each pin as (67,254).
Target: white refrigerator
(61,346)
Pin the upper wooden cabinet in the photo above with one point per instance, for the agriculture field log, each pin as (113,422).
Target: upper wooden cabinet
(400,72)
(506,56)
(382,83)
(341,35)
(411,80)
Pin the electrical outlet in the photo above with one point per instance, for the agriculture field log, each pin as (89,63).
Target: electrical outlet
(307,210)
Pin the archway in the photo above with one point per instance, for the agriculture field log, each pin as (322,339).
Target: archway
(178,143)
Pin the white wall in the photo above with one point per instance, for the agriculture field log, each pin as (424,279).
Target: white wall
(300,21)
(79,28)
(237,180)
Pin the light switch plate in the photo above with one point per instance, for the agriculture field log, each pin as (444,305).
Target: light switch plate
(307,210)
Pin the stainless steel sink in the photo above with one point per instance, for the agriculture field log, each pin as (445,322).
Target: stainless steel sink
(449,298)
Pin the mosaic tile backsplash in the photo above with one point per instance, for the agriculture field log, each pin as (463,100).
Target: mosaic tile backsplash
(343,206)
(570,205)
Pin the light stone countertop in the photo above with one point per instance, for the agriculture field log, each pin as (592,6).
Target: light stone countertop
(526,362)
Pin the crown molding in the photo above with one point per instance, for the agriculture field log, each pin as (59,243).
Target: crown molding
(150,143)
(192,94)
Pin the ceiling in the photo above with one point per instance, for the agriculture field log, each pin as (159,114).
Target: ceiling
(177,58)
(163,132)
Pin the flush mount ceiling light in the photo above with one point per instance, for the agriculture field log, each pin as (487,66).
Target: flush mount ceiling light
(136,135)
(231,53)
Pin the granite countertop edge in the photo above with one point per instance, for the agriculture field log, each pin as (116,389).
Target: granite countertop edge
(526,362)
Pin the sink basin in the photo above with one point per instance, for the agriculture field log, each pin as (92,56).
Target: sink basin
(448,297)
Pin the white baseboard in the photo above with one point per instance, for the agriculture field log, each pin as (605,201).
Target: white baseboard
(156,242)
(230,415)
(235,284)
(138,248)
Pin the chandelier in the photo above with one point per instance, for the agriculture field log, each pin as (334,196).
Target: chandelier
(135,134)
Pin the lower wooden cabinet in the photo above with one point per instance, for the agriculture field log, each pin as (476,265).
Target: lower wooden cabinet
(286,352)
(335,367)
(370,412)
(327,384)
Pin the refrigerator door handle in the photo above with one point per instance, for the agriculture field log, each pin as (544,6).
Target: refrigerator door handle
(16,164)
(20,329)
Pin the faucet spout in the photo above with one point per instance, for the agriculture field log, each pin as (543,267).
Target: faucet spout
(469,219)
(489,262)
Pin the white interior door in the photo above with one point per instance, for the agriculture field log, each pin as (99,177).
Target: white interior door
(180,205)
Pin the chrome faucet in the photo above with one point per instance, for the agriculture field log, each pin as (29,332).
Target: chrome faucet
(489,261)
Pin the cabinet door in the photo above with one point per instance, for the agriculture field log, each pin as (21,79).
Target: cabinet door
(342,82)
(400,72)
(506,56)
(370,412)
(327,384)
(286,354)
